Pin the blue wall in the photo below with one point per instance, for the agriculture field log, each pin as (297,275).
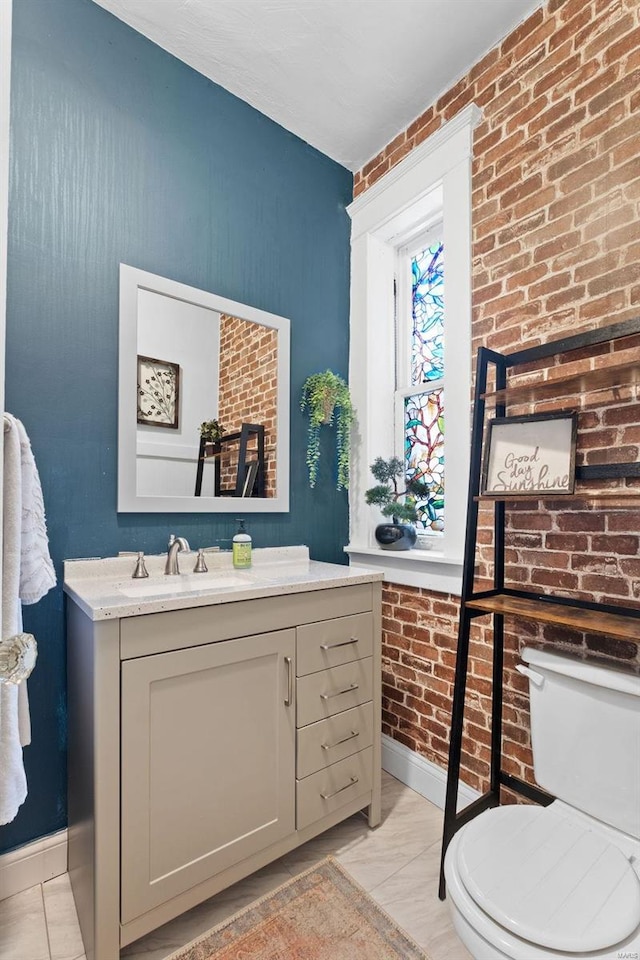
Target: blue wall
(122,153)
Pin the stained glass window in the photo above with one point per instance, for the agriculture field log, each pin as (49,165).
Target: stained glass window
(424,411)
(424,453)
(427,340)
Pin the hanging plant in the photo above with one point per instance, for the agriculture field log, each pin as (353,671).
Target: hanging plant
(326,398)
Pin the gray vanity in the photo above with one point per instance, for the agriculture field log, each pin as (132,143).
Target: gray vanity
(215,722)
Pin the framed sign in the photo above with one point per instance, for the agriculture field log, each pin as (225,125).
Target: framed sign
(158,392)
(529,455)
(250,478)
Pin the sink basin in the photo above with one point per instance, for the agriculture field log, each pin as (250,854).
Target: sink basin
(172,586)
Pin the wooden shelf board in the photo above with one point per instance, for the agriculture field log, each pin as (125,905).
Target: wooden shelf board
(615,375)
(591,621)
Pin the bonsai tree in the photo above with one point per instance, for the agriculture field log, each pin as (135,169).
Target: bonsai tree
(326,398)
(395,503)
(211,430)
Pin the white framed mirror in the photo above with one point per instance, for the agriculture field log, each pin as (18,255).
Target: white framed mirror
(187,356)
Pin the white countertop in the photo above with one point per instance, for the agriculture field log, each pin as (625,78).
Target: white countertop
(104,589)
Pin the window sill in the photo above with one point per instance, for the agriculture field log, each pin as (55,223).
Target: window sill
(428,569)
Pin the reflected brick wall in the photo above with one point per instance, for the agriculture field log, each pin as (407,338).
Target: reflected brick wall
(248,390)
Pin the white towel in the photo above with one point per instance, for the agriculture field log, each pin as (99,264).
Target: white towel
(37,575)
(27,572)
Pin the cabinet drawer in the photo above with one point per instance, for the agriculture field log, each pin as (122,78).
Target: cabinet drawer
(332,642)
(328,790)
(329,692)
(327,741)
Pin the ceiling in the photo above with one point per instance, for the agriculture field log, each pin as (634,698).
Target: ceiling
(344,75)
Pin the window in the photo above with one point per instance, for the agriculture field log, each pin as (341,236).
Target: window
(420,357)
(409,227)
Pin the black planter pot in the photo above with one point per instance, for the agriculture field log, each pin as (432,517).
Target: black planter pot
(395,536)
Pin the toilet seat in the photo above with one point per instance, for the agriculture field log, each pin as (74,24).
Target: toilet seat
(548,878)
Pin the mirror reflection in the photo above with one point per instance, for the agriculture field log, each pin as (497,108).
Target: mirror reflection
(207,425)
(198,369)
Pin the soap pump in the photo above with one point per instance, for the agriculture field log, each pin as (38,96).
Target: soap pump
(241,548)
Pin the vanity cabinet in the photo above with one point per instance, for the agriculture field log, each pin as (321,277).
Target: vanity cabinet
(206,742)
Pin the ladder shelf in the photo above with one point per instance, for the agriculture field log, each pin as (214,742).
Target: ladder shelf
(501,602)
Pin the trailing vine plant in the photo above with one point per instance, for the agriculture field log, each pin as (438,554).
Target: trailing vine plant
(326,398)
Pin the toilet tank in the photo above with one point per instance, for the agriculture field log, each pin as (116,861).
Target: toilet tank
(585,732)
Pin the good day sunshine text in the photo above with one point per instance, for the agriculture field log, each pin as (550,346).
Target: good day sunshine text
(527,472)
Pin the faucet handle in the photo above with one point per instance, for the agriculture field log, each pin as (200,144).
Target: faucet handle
(172,538)
(201,566)
(140,571)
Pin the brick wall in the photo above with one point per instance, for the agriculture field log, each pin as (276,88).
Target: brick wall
(556,250)
(248,390)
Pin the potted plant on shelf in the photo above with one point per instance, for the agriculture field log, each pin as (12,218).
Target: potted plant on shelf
(326,398)
(398,505)
(210,432)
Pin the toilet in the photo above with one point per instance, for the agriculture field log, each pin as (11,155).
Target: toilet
(527,882)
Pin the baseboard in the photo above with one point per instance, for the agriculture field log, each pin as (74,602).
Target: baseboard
(423,776)
(33,863)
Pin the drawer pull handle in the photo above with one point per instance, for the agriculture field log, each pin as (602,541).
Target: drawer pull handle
(338,693)
(328,796)
(329,746)
(289,699)
(343,643)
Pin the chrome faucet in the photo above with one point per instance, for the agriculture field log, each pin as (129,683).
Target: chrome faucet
(176,544)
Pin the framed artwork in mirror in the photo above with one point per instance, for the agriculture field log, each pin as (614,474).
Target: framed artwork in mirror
(158,392)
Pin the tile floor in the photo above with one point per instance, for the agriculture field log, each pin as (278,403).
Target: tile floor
(397,864)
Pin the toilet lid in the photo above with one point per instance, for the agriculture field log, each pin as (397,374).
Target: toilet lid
(549,879)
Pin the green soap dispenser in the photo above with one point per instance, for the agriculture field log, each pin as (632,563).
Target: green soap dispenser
(241,548)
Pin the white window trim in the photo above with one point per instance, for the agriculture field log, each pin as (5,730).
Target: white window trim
(438,172)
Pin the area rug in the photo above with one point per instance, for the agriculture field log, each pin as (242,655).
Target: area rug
(321,914)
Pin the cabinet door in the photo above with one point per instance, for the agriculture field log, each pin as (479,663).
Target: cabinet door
(208,747)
